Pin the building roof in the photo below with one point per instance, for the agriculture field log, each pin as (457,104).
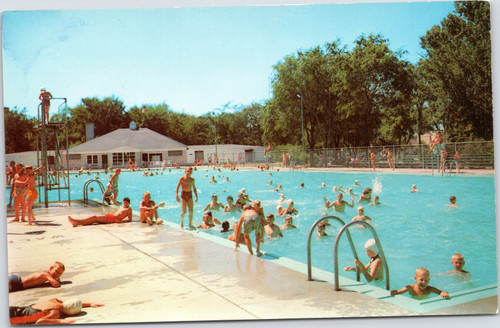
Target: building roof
(127,140)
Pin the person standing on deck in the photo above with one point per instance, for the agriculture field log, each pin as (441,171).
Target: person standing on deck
(186,200)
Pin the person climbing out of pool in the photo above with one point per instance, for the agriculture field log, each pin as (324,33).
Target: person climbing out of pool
(17,283)
(108,196)
(48,312)
(272,230)
(114,185)
(421,288)
(322,229)
(148,210)
(231,207)
(288,224)
(373,270)
(458,262)
(453,201)
(188,187)
(366,197)
(214,205)
(122,215)
(414,188)
(339,204)
(376,201)
(251,220)
(361,215)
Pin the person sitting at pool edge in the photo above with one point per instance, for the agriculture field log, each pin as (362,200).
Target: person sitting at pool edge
(148,210)
(458,262)
(34,279)
(373,270)
(421,288)
(118,217)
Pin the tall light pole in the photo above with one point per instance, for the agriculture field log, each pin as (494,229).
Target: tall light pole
(303,139)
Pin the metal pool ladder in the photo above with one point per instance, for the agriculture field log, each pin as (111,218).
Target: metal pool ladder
(86,189)
(335,250)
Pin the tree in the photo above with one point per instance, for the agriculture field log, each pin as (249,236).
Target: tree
(19,130)
(457,66)
(107,115)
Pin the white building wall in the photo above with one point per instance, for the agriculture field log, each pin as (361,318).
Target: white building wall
(225,152)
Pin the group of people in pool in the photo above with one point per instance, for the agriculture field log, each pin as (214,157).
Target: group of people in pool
(253,220)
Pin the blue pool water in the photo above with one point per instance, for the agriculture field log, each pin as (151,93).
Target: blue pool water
(415,229)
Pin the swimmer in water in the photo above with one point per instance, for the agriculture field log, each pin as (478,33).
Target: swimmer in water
(414,188)
(453,201)
(339,204)
(421,288)
(458,262)
(375,201)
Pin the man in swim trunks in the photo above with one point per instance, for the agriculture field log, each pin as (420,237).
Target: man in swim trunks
(20,191)
(17,283)
(186,200)
(251,220)
(47,312)
(122,215)
(10,177)
(45,97)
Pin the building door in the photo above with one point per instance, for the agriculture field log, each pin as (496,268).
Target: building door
(104,159)
(249,155)
(198,156)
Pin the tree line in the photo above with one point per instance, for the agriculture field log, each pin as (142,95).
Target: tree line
(364,96)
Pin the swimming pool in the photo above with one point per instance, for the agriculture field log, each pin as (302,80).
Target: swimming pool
(415,229)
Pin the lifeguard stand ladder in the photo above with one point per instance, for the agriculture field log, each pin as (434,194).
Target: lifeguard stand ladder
(54,175)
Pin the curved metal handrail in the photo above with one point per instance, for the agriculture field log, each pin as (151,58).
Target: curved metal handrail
(309,270)
(86,187)
(335,252)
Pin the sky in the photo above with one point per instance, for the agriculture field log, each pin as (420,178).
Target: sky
(194,59)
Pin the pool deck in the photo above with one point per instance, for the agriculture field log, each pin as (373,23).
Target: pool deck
(163,274)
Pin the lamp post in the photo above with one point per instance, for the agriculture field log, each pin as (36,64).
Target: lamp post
(303,139)
(215,126)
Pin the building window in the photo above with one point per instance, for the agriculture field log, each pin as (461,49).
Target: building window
(122,158)
(174,153)
(155,157)
(75,156)
(92,159)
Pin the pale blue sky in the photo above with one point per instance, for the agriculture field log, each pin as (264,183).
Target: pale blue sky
(192,59)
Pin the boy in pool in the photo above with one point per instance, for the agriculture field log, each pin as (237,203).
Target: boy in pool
(272,230)
(241,237)
(373,270)
(366,197)
(339,204)
(458,262)
(214,205)
(361,215)
(211,218)
(207,222)
(375,201)
(188,186)
(288,224)
(453,201)
(421,288)
(118,217)
(231,207)
(148,210)
(17,283)
(322,229)
(289,209)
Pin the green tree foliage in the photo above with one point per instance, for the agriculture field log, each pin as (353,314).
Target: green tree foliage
(107,115)
(20,132)
(457,68)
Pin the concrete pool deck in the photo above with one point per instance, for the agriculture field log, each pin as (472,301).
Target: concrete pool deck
(162,274)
